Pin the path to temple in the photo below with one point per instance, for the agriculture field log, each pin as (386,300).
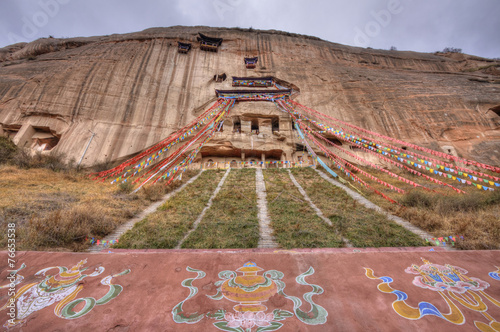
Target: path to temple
(400,221)
(266,238)
(202,214)
(348,289)
(314,207)
(150,209)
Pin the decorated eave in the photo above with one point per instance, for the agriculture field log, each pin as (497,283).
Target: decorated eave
(183,47)
(251,62)
(253,81)
(246,95)
(209,43)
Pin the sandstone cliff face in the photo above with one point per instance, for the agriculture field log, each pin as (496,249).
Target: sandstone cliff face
(132,90)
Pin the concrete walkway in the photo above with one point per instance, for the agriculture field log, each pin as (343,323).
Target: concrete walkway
(150,209)
(266,238)
(313,206)
(366,203)
(202,214)
(309,290)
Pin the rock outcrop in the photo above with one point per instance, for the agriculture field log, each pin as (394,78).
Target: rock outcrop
(133,90)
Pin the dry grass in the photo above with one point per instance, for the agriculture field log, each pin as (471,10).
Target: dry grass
(295,224)
(232,220)
(167,226)
(58,210)
(443,212)
(361,226)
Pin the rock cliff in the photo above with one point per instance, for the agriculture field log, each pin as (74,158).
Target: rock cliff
(132,90)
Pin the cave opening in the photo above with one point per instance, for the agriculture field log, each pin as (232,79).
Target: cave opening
(236,125)
(255,126)
(44,139)
(275,124)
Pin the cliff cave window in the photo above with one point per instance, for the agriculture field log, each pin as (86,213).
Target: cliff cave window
(237,125)
(183,47)
(403,148)
(293,125)
(275,123)
(251,62)
(44,139)
(299,147)
(255,126)
(219,78)
(11,130)
(209,43)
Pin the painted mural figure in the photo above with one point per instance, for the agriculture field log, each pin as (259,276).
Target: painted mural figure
(250,292)
(453,285)
(61,288)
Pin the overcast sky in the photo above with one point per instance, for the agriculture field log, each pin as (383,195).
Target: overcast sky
(417,25)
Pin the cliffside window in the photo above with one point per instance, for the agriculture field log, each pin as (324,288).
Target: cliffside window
(255,126)
(299,147)
(219,78)
(183,47)
(275,124)
(44,139)
(293,125)
(251,62)
(209,43)
(237,125)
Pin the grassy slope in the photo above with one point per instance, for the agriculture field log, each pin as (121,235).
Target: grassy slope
(444,212)
(232,220)
(58,210)
(167,226)
(361,226)
(295,224)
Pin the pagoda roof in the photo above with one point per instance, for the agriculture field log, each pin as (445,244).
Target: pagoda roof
(211,40)
(253,94)
(268,78)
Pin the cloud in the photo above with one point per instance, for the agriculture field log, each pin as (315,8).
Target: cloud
(424,25)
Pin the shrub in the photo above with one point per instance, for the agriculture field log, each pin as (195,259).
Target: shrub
(22,159)
(7,150)
(452,50)
(125,187)
(53,161)
(417,198)
(68,228)
(101,166)
(154,192)
(447,205)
